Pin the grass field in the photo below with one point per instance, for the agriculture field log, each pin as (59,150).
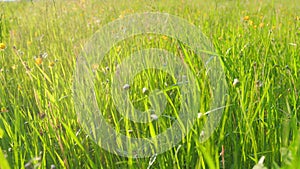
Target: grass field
(257,41)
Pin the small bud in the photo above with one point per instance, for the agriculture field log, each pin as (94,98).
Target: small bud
(287,67)
(126,86)
(95,66)
(255,64)
(258,84)
(236,82)
(154,116)
(202,134)
(145,90)
(293,44)
(200,115)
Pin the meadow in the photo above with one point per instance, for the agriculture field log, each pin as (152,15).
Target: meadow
(257,42)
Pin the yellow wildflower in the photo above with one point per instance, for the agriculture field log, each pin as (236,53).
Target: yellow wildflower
(39,61)
(3,110)
(29,43)
(14,67)
(121,16)
(19,87)
(250,22)
(51,64)
(2,46)
(246,18)
(118,48)
(164,37)
(95,66)
(261,17)
(261,25)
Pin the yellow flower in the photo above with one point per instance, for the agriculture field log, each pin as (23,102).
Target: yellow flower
(3,110)
(14,67)
(261,17)
(39,61)
(29,43)
(250,22)
(95,66)
(118,48)
(2,46)
(261,25)
(121,16)
(19,87)
(164,37)
(246,18)
(51,64)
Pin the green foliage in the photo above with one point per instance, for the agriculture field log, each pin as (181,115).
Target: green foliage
(258,44)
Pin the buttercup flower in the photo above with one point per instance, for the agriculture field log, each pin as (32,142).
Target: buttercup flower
(39,60)
(14,67)
(246,18)
(2,46)
(261,25)
(250,22)
(164,37)
(51,64)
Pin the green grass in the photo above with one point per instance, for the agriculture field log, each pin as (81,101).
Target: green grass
(38,119)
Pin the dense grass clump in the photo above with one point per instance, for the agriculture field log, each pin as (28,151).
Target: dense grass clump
(256,41)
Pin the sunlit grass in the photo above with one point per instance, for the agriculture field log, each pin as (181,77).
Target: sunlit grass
(258,44)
